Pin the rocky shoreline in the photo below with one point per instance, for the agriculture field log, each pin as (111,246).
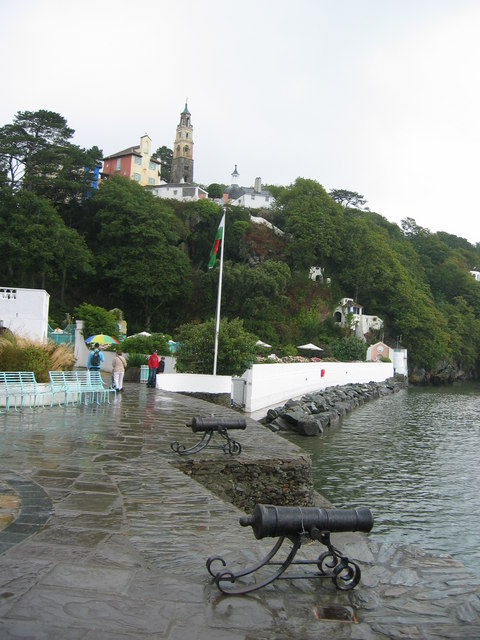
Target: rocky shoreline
(315,411)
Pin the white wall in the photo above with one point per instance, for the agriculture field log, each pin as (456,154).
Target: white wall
(25,312)
(194,383)
(400,361)
(81,350)
(270,385)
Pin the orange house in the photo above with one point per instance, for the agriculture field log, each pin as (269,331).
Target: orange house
(135,163)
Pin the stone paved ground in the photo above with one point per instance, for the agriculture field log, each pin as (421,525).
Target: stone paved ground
(109,541)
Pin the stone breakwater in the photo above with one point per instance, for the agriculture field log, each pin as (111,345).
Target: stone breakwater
(315,411)
(280,473)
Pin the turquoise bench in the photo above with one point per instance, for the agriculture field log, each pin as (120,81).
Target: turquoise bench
(93,387)
(21,388)
(76,385)
(65,383)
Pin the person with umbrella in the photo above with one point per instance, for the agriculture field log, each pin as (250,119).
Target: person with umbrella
(95,358)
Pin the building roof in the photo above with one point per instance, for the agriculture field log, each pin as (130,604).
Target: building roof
(131,151)
(234,191)
(263,192)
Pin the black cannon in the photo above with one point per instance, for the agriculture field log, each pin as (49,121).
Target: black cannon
(297,524)
(208,426)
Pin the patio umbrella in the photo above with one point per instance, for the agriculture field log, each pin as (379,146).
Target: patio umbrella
(101,338)
(260,343)
(309,347)
(141,334)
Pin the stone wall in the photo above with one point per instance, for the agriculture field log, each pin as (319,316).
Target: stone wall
(222,399)
(270,469)
(246,482)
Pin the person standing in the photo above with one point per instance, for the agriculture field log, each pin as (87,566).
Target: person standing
(118,370)
(161,365)
(152,370)
(95,358)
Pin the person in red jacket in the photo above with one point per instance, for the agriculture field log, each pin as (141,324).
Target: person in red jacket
(152,370)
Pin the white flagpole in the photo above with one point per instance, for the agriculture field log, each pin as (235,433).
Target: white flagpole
(219,298)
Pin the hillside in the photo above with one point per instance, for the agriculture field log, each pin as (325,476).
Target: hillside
(120,247)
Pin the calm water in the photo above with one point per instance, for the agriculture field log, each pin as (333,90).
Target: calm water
(413,458)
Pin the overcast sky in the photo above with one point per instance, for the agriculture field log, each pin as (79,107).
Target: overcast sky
(381,97)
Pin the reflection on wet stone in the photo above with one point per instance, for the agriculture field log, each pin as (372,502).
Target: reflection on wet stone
(120,554)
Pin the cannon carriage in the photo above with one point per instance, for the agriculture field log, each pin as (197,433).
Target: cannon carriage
(296,525)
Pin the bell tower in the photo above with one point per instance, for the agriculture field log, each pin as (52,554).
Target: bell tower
(182,162)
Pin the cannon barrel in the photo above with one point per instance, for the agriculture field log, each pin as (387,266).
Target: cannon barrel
(269,521)
(215,424)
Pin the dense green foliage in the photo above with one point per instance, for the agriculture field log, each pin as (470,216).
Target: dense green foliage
(236,348)
(119,247)
(96,320)
(147,344)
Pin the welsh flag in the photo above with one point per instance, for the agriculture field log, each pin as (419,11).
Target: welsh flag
(216,244)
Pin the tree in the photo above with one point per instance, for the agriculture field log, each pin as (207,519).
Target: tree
(138,253)
(165,155)
(348,199)
(96,320)
(35,244)
(215,190)
(195,353)
(36,154)
(256,293)
(312,220)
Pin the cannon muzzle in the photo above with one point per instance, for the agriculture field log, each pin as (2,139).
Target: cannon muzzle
(216,424)
(269,521)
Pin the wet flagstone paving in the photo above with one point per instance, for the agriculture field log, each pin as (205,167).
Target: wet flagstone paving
(9,505)
(102,537)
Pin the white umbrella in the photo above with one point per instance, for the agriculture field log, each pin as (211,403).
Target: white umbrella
(310,347)
(141,334)
(259,343)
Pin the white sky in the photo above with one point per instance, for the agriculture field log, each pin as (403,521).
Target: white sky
(381,97)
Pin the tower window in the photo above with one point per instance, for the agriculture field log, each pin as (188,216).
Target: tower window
(186,135)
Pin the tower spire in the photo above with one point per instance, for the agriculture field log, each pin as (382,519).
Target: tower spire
(182,162)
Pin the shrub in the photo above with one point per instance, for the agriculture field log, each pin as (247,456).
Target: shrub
(17,354)
(195,353)
(136,359)
(348,349)
(146,344)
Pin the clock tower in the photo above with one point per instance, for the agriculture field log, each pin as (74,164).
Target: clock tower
(182,163)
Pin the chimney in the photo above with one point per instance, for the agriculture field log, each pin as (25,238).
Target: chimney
(258,185)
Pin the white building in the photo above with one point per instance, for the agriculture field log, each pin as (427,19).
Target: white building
(253,198)
(476,275)
(25,312)
(179,191)
(351,313)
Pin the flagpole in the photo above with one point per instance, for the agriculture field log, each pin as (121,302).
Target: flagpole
(219,297)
